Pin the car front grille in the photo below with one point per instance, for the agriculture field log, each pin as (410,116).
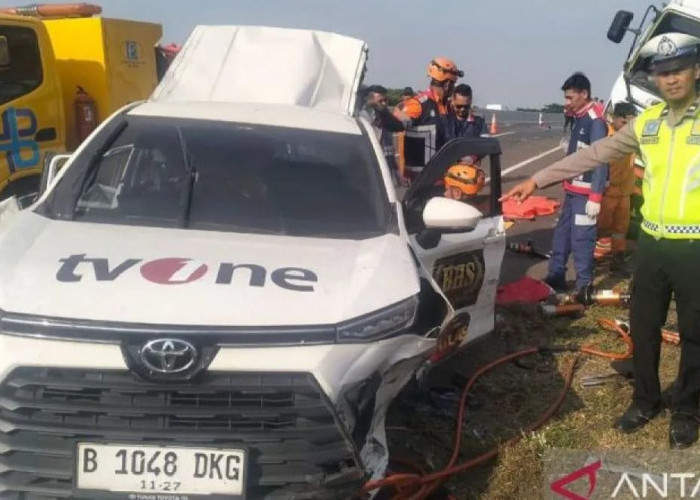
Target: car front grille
(294,441)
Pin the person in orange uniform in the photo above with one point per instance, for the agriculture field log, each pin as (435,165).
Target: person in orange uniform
(425,107)
(463,182)
(420,141)
(614,218)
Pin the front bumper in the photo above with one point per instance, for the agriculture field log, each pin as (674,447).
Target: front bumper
(297,409)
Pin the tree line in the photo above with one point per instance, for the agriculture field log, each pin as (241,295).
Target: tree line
(547,108)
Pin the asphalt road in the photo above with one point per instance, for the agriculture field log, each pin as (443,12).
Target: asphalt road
(527,149)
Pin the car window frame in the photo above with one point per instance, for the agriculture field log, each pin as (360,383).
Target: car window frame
(58,206)
(4,32)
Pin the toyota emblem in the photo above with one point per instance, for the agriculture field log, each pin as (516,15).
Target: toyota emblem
(168,356)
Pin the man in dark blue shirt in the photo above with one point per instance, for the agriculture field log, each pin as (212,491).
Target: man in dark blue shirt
(460,120)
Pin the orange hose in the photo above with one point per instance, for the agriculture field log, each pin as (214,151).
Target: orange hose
(437,478)
(611,325)
(429,483)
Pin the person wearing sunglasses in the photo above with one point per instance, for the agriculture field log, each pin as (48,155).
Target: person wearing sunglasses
(460,120)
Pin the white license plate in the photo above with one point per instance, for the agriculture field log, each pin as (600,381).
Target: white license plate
(160,469)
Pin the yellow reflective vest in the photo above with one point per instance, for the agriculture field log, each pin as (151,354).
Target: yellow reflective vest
(671,187)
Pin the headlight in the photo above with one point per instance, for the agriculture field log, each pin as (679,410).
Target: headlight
(379,324)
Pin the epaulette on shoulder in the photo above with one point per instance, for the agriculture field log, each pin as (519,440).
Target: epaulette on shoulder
(657,106)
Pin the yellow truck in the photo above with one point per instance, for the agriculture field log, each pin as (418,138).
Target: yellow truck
(63,70)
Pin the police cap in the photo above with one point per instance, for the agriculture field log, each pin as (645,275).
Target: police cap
(671,51)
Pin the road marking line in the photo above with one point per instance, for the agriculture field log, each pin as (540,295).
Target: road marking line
(502,134)
(529,160)
(524,163)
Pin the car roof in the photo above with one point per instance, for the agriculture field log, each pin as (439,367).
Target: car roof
(274,115)
(269,65)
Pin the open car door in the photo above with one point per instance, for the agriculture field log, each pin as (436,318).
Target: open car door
(465,265)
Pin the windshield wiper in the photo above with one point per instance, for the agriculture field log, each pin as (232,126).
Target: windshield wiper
(191,173)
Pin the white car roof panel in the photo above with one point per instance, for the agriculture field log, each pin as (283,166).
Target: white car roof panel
(256,64)
(256,114)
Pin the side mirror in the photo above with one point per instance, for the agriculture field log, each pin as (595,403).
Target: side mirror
(619,25)
(51,170)
(449,215)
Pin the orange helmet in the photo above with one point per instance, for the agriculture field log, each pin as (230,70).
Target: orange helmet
(442,69)
(467,178)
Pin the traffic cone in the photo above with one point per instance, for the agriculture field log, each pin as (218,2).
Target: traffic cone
(494,125)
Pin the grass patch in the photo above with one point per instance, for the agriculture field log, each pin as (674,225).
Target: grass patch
(509,399)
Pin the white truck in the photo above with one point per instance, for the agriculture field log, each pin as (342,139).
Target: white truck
(634,84)
(219,293)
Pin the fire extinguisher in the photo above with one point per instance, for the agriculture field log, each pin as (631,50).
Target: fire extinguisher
(85,114)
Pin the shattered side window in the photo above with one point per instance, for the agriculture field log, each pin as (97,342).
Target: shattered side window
(102,193)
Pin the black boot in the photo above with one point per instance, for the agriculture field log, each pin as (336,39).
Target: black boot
(618,266)
(683,431)
(634,419)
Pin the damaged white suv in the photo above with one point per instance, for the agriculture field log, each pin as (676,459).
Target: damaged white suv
(219,294)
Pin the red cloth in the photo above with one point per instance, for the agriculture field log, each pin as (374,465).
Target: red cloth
(530,208)
(525,290)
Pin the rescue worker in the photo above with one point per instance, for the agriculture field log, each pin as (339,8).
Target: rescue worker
(667,136)
(614,219)
(420,140)
(576,228)
(425,107)
(463,181)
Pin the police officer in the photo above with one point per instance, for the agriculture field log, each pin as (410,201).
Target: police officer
(667,137)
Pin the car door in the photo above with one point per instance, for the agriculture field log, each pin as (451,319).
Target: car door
(465,265)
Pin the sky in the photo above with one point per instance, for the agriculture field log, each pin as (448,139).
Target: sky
(513,52)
